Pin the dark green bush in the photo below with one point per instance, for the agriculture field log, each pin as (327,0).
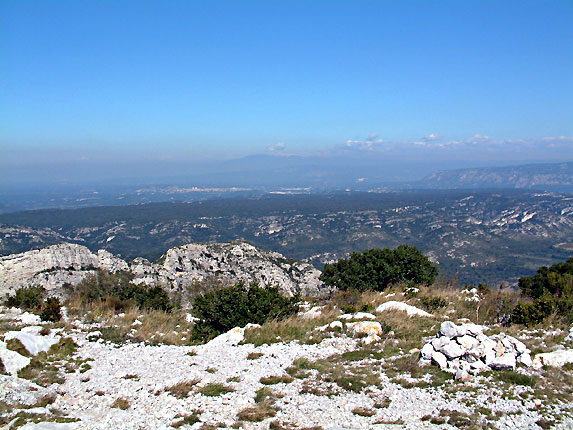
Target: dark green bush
(222,309)
(118,290)
(433,303)
(552,291)
(375,269)
(51,310)
(535,312)
(28,298)
(103,284)
(554,280)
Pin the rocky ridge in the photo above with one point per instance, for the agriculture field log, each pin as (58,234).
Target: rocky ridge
(179,268)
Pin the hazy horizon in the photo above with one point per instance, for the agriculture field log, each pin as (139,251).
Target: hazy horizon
(149,92)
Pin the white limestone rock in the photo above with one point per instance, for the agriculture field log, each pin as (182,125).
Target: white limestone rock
(439,342)
(53,266)
(448,329)
(554,359)
(462,375)
(569,337)
(179,267)
(401,306)
(13,362)
(440,359)
(314,312)
(467,342)
(334,325)
(478,366)
(231,262)
(452,350)
(426,352)
(466,347)
(505,362)
(49,426)
(32,342)
(365,328)
(232,337)
(29,318)
(358,316)
(525,359)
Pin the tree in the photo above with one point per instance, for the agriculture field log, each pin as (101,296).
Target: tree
(375,269)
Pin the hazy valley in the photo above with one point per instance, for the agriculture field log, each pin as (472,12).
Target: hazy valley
(480,236)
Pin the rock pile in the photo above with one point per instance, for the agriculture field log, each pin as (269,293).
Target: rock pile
(465,350)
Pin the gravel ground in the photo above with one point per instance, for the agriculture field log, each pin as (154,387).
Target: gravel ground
(140,373)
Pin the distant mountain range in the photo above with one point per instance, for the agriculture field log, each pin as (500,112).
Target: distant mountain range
(547,177)
(260,175)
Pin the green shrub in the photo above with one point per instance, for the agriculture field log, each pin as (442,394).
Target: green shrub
(554,280)
(552,291)
(103,284)
(433,303)
(533,313)
(146,297)
(52,310)
(28,298)
(514,378)
(222,309)
(119,292)
(349,301)
(375,269)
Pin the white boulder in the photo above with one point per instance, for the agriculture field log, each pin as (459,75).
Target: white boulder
(13,362)
(505,362)
(358,316)
(401,306)
(232,337)
(32,342)
(554,359)
(365,328)
(440,359)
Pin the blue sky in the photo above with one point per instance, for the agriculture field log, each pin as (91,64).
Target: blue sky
(140,80)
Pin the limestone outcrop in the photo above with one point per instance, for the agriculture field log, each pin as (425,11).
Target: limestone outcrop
(53,266)
(228,263)
(180,267)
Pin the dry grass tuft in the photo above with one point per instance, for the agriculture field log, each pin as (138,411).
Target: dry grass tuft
(121,403)
(254,355)
(17,346)
(215,389)
(364,412)
(188,419)
(276,379)
(289,329)
(157,327)
(182,389)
